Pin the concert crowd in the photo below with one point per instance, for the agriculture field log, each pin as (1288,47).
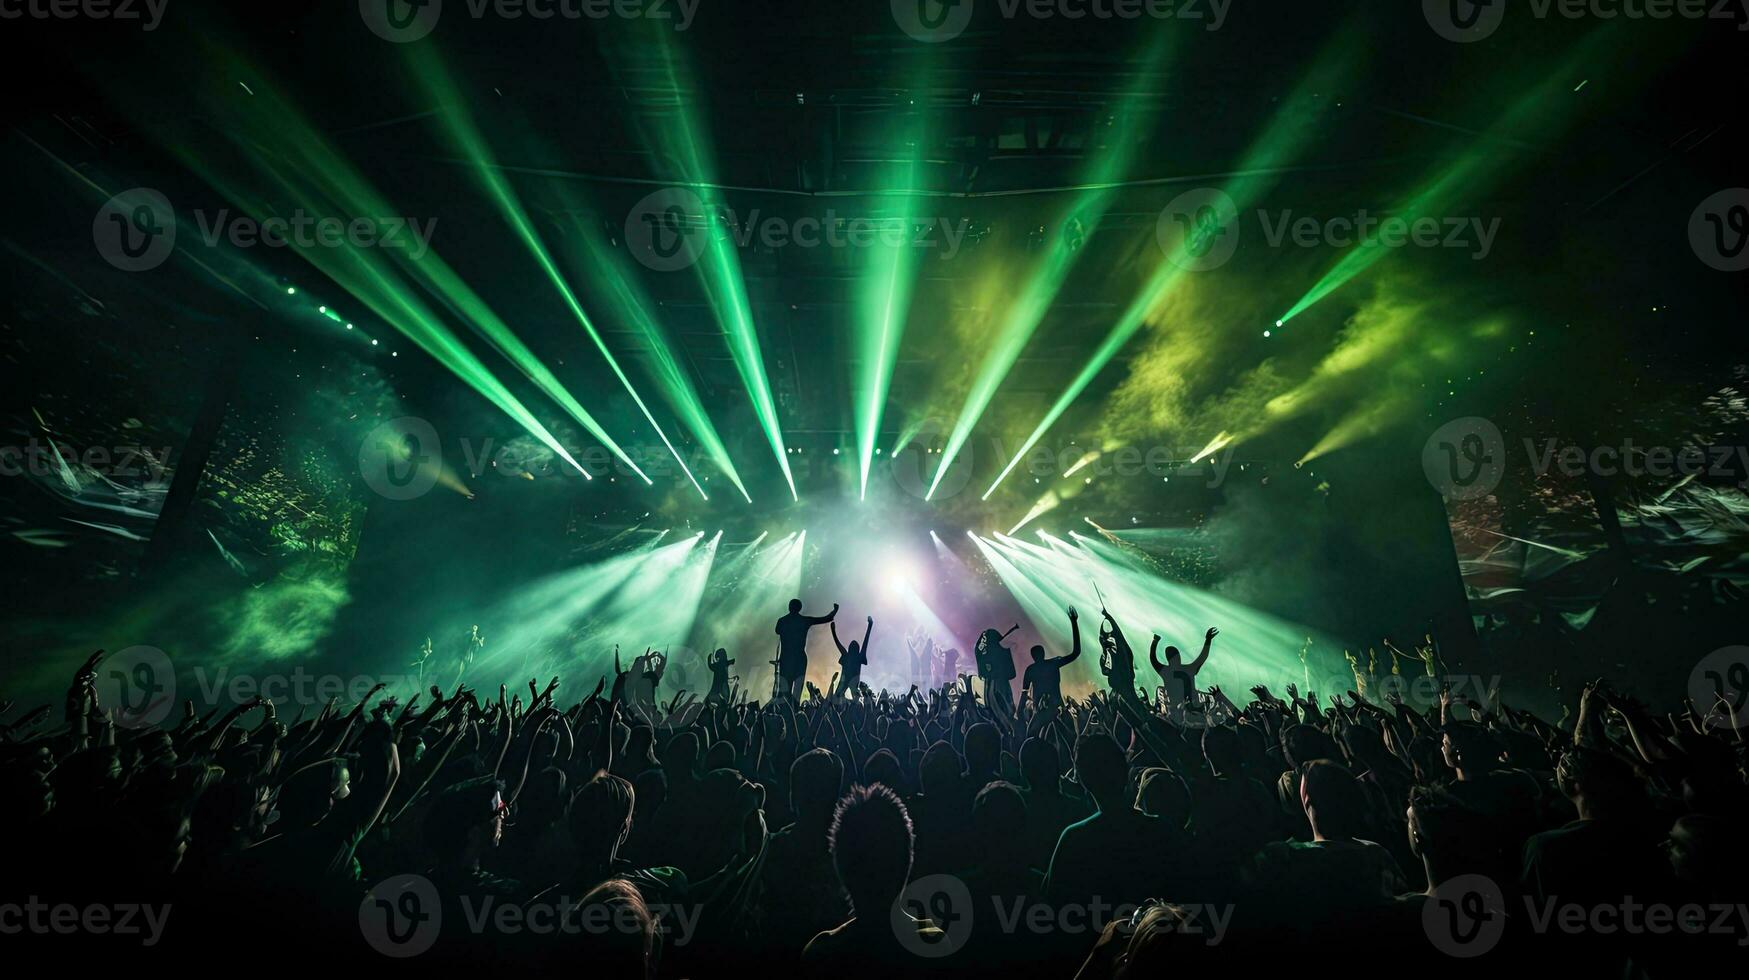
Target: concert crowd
(965,826)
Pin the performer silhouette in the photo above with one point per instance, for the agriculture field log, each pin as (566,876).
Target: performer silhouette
(792,647)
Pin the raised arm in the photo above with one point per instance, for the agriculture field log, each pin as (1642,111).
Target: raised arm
(835,642)
(817,620)
(1208,641)
(866,633)
(1074,631)
(1154,657)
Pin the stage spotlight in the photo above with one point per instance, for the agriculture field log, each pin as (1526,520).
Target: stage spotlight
(291,290)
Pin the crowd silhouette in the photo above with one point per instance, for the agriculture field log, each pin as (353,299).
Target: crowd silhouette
(950,828)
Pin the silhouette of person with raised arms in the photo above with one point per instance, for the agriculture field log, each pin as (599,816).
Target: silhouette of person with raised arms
(719,663)
(850,659)
(1116,660)
(1179,677)
(792,647)
(1044,677)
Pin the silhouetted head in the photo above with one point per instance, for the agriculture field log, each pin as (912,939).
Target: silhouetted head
(853,647)
(814,780)
(722,755)
(601,813)
(1038,765)
(1038,653)
(542,801)
(1303,743)
(1706,851)
(998,815)
(681,755)
(1471,748)
(939,771)
(1598,783)
(1334,802)
(1451,838)
(1103,771)
(983,748)
(883,768)
(1220,746)
(1172,655)
(795,605)
(871,847)
(1164,795)
(465,819)
(628,949)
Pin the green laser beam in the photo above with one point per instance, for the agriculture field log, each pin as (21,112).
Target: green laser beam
(459,124)
(719,268)
(1473,171)
(1023,316)
(1289,129)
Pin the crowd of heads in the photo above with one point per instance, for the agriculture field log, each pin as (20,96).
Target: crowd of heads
(948,828)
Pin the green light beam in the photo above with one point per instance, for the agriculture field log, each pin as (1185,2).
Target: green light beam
(719,268)
(879,326)
(364,275)
(459,125)
(1292,126)
(631,305)
(1022,318)
(1469,175)
(293,155)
